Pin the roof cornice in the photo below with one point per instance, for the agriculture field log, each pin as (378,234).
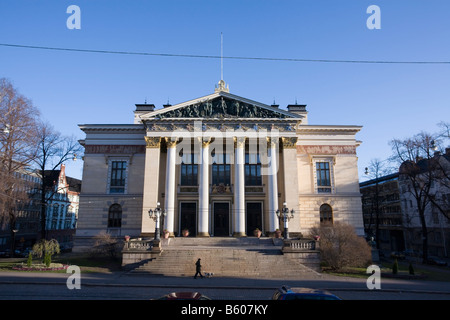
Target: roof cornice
(154,114)
(306,129)
(112,127)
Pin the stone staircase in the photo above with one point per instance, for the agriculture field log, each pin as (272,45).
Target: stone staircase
(225,257)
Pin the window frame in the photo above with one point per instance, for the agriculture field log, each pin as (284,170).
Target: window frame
(117,189)
(189,170)
(328,219)
(319,188)
(221,169)
(252,169)
(115,222)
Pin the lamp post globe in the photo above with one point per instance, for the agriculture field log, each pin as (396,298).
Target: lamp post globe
(285,215)
(155,215)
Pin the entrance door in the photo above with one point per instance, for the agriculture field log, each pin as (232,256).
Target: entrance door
(188,217)
(254,217)
(221,219)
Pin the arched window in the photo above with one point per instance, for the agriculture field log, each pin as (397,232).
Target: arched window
(326,213)
(115,216)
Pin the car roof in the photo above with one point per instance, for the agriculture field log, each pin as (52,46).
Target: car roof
(307,291)
(184,296)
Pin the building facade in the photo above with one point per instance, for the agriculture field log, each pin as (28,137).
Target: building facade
(62,207)
(432,183)
(382,210)
(391,202)
(62,200)
(218,165)
(27,213)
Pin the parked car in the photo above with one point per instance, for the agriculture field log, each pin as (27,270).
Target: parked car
(287,293)
(397,255)
(436,261)
(184,296)
(410,253)
(7,253)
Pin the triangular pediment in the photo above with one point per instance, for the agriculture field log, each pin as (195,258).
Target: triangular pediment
(220,105)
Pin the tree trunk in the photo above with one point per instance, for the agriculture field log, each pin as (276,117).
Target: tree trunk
(43,212)
(424,237)
(12,224)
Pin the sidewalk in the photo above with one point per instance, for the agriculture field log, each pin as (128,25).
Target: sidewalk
(124,279)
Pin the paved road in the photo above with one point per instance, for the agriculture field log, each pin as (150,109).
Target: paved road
(125,286)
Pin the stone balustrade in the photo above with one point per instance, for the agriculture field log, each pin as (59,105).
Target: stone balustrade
(305,251)
(136,251)
(300,245)
(135,244)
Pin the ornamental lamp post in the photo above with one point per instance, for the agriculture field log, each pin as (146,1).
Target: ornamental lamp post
(155,215)
(286,215)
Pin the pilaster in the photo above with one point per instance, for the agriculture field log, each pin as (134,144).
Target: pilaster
(151,173)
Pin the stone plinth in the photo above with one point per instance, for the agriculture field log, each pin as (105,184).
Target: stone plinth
(304,251)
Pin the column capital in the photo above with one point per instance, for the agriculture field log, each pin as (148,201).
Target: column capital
(239,142)
(171,142)
(289,142)
(153,142)
(205,141)
(272,142)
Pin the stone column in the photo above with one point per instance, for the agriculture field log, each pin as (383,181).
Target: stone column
(239,188)
(291,191)
(170,185)
(203,190)
(272,150)
(151,179)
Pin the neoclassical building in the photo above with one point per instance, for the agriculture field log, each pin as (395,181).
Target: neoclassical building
(218,165)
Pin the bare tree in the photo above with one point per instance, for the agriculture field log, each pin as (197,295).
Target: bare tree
(445,130)
(421,169)
(377,168)
(54,150)
(18,123)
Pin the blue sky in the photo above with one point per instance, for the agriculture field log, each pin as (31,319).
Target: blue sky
(388,100)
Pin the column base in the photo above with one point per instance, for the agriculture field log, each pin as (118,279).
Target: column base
(203,235)
(156,246)
(147,235)
(239,234)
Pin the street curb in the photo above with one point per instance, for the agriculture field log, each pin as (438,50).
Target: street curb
(134,285)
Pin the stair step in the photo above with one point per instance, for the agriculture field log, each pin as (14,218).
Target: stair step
(224,256)
(242,262)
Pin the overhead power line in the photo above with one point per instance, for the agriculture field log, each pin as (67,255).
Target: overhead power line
(219,57)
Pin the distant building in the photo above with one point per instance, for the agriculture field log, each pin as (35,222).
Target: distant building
(62,208)
(382,206)
(219,165)
(438,226)
(61,217)
(27,217)
(391,199)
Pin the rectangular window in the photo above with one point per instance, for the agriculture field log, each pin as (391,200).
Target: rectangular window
(189,169)
(323,177)
(221,169)
(118,177)
(252,170)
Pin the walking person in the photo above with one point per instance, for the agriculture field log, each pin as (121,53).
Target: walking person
(198,269)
